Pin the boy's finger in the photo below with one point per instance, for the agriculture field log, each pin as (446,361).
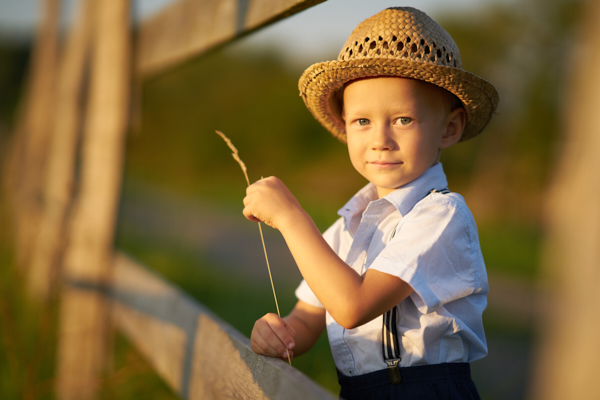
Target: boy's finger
(270,342)
(261,346)
(288,353)
(248,214)
(254,186)
(279,328)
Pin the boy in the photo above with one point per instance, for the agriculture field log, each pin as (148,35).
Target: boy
(399,280)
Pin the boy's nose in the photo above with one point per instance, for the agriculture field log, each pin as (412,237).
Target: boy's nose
(382,139)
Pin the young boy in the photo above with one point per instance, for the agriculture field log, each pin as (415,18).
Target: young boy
(399,280)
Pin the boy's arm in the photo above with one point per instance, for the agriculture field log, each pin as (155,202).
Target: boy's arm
(298,331)
(351,299)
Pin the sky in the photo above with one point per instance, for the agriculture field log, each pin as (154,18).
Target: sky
(308,36)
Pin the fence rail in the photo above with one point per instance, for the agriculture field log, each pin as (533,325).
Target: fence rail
(198,355)
(188,28)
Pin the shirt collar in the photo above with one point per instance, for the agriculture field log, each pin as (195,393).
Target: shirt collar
(404,198)
(358,203)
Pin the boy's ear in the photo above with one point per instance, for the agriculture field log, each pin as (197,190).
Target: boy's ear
(454,127)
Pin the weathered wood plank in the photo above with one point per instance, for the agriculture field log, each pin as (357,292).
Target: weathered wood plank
(199,355)
(60,174)
(188,28)
(28,155)
(147,311)
(88,257)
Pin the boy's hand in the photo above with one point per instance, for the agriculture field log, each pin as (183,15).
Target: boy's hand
(270,201)
(273,337)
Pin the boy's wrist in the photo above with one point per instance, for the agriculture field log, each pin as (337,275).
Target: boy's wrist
(293,220)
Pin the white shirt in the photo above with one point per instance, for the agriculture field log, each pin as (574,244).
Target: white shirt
(435,249)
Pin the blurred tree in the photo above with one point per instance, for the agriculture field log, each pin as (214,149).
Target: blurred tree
(569,352)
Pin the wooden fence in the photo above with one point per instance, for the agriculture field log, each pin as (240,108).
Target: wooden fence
(198,355)
(63,180)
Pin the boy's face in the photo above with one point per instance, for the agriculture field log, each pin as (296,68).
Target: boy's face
(396,129)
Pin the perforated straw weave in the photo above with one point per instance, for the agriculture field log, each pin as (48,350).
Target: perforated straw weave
(403,42)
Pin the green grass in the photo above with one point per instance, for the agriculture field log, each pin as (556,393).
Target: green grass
(27,333)
(28,340)
(131,377)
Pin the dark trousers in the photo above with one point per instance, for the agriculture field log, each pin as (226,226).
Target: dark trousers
(425,382)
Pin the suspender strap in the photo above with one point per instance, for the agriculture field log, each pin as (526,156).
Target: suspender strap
(442,191)
(389,331)
(391,349)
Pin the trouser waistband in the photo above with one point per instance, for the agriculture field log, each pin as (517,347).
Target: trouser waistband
(421,373)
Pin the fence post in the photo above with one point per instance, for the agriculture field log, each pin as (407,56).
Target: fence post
(28,152)
(60,176)
(84,313)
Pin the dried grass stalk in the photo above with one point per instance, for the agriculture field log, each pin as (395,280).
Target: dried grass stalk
(237,158)
(235,155)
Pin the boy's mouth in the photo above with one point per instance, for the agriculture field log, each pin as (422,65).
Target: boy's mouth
(380,163)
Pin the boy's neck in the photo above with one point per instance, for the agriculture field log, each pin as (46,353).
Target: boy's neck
(382,192)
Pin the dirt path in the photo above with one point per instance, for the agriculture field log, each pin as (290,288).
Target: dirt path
(220,235)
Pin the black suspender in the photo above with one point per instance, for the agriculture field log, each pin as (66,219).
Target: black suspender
(442,191)
(389,332)
(391,348)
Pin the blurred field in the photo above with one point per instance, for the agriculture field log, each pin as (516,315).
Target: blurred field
(181,206)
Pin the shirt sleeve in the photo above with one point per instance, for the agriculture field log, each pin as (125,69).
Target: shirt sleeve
(332,237)
(435,250)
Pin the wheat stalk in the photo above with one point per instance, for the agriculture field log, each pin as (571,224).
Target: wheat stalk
(237,158)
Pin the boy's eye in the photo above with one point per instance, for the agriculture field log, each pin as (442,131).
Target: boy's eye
(404,120)
(363,121)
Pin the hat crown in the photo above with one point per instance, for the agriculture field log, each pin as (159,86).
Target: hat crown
(402,33)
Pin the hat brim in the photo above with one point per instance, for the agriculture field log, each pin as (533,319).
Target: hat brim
(320,81)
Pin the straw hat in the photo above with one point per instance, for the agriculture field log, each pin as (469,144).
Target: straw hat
(404,42)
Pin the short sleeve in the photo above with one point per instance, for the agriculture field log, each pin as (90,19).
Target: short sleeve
(435,250)
(332,237)
(304,293)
